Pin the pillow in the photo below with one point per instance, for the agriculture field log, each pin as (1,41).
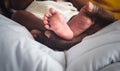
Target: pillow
(96,51)
(20,52)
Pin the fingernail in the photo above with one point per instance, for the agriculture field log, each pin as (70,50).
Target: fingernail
(47,34)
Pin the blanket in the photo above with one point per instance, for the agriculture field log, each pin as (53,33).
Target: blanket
(39,8)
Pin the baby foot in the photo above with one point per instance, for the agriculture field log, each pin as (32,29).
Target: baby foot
(57,23)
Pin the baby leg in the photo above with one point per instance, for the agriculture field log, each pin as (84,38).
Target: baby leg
(81,21)
(88,15)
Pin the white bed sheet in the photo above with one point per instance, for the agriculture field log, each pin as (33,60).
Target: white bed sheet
(20,52)
(96,51)
(112,67)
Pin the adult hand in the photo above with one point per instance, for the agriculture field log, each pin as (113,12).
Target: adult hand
(57,43)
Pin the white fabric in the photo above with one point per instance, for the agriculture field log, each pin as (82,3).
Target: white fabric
(96,51)
(39,8)
(20,52)
(112,67)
